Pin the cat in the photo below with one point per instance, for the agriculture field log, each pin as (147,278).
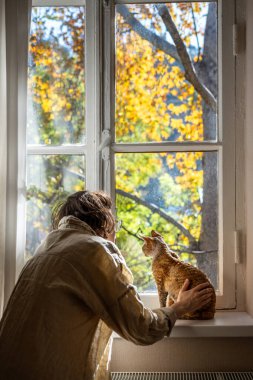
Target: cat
(170,274)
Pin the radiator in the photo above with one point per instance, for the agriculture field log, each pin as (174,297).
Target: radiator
(182,376)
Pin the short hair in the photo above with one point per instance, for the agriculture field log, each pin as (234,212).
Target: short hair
(92,207)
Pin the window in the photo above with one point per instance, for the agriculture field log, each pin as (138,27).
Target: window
(60,129)
(145,112)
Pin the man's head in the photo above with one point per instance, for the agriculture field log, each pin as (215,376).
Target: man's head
(92,207)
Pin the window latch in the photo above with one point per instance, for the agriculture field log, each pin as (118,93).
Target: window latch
(104,147)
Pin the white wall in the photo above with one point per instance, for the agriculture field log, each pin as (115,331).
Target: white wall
(249,156)
(184,354)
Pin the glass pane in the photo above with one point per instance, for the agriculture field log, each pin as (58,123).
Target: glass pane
(56,77)
(166,72)
(49,179)
(176,195)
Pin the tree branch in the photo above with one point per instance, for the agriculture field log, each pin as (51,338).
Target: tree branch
(146,34)
(190,73)
(178,52)
(158,211)
(132,233)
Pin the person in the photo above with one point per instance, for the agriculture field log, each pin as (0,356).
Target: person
(74,291)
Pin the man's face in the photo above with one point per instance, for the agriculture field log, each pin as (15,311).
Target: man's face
(112,236)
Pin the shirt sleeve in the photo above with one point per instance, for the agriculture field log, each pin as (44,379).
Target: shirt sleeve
(115,300)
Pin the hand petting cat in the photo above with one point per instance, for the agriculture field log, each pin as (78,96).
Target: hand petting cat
(192,299)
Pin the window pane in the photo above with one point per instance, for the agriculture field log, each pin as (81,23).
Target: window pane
(166,72)
(49,179)
(175,194)
(56,77)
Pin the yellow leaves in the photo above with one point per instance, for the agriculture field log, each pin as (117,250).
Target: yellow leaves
(58,84)
(47,105)
(78,187)
(147,86)
(44,86)
(68,117)
(176,123)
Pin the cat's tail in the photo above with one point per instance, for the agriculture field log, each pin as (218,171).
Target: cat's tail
(200,314)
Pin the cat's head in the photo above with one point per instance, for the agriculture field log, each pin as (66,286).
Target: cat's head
(153,244)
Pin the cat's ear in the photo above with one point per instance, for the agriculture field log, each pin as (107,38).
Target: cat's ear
(155,234)
(145,238)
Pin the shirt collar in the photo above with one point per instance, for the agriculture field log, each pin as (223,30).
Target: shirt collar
(75,223)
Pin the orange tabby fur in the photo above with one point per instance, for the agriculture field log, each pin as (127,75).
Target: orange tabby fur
(170,274)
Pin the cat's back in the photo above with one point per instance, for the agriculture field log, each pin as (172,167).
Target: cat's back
(181,271)
(162,265)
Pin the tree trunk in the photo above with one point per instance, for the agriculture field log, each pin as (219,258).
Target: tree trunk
(207,71)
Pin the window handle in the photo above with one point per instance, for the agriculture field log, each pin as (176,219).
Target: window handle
(104,147)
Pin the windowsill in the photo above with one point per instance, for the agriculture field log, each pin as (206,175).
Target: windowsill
(227,324)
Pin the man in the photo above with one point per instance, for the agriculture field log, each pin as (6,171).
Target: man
(73,293)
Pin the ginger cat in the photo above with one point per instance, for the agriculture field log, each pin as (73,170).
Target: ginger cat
(170,273)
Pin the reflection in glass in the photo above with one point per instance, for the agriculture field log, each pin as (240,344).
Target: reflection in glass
(166,72)
(56,76)
(49,179)
(175,194)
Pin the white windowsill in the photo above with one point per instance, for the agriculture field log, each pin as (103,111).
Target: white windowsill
(228,324)
(225,324)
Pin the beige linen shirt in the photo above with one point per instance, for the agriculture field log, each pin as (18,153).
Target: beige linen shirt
(69,296)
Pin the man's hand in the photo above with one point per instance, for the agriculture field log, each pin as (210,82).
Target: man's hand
(193,299)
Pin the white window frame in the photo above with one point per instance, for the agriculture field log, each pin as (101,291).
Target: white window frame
(89,149)
(92,77)
(100,147)
(225,145)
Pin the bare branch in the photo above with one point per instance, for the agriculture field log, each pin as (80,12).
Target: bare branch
(158,211)
(132,233)
(146,34)
(190,73)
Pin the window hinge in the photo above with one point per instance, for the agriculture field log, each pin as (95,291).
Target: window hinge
(237,244)
(238,39)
